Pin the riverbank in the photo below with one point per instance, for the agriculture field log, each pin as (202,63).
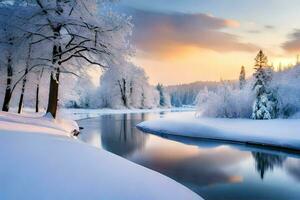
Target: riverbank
(282,133)
(39,160)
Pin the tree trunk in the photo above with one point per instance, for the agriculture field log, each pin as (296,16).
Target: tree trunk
(22,91)
(122,86)
(124,97)
(53,94)
(24,80)
(37,93)
(54,77)
(8,90)
(37,98)
(6,101)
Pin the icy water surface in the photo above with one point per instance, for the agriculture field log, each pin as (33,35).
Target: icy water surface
(214,170)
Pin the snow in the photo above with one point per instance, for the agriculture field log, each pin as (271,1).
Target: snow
(229,101)
(282,133)
(37,124)
(39,161)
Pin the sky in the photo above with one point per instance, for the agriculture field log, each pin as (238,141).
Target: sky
(183,41)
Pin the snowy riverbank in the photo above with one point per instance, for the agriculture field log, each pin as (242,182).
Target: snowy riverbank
(279,133)
(39,161)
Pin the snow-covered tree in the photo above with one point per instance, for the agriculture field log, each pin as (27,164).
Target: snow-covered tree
(242,77)
(11,42)
(126,85)
(81,92)
(77,34)
(160,89)
(164,98)
(186,94)
(265,104)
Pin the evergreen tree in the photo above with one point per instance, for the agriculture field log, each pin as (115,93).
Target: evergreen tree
(265,105)
(242,77)
(162,100)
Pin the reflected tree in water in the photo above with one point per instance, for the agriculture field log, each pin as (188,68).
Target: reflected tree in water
(265,162)
(119,135)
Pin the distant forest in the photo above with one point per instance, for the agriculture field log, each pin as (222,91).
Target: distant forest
(186,94)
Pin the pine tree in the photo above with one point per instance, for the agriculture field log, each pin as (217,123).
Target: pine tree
(242,77)
(162,100)
(265,105)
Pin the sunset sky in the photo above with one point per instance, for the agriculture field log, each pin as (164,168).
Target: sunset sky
(182,41)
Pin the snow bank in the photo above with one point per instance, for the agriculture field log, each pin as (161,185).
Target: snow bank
(284,133)
(37,163)
(36,123)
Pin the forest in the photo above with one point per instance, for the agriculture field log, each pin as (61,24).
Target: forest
(50,51)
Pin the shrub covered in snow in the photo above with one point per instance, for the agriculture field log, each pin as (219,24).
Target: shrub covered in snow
(227,102)
(288,90)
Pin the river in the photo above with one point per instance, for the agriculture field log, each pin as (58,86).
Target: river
(214,170)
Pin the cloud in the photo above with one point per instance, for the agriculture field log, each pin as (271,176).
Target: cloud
(293,44)
(254,31)
(158,33)
(269,27)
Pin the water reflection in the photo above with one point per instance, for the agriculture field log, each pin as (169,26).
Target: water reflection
(215,170)
(293,168)
(265,162)
(116,133)
(119,135)
(193,166)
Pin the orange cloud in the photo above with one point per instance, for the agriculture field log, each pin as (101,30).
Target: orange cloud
(160,34)
(232,23)
(293,44)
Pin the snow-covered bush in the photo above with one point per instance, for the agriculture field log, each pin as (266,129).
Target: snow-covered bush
(288,92)
(226,102)
(231,102)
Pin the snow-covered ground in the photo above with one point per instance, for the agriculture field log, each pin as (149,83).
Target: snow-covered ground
(39,161)
(284,133)
(35,123)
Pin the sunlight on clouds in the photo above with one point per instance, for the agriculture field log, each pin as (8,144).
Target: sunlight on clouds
(187,64)
(232,23)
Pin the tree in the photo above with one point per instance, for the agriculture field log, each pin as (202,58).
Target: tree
(265,104)
(126,85)
(242,77)
(11,42)
(25,78)
(164,99)
(37,92)
(78,34)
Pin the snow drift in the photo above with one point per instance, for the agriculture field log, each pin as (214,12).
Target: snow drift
(39,161)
